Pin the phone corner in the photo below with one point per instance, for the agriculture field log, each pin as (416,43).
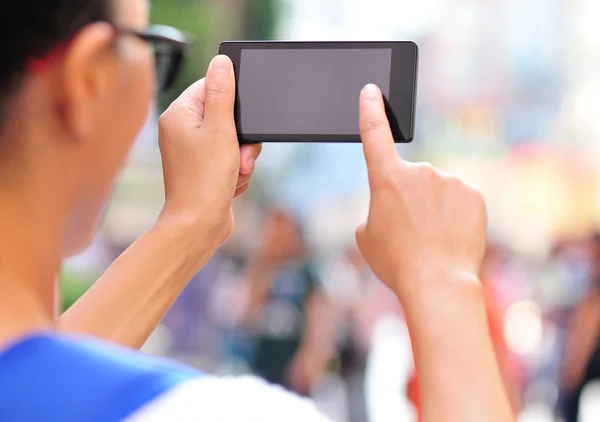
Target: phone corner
(404,139)
(415,46)
(222,46)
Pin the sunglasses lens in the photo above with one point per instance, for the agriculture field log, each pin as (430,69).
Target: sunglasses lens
(168,59)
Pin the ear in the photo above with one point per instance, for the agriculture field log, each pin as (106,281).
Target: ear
(88,70)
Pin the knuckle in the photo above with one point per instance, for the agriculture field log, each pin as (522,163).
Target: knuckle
(371,123)
(479,199)
(218,89)
(454,181)
(222,129)
(164,119)
(171,117)
(242,190)
(244,181)
(427,172)
(166,123)
(387,179)
(475,197)
(223,230)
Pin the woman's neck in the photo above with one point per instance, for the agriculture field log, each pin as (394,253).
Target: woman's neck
(22,312)
(29,263)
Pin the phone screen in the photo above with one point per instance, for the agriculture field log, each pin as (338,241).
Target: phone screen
(311,94)
(308,91)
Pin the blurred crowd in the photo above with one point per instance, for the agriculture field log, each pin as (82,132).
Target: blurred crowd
(327,328)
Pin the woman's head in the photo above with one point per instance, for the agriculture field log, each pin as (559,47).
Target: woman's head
(283,234)
(74,92)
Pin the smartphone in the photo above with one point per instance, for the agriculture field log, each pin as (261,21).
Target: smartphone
(309,91)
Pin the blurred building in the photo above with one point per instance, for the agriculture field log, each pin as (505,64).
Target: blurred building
(492,77)
(579,125)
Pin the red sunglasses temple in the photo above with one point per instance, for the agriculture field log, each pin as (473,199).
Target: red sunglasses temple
(38,65)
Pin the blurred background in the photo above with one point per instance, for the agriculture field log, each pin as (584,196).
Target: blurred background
(508,99)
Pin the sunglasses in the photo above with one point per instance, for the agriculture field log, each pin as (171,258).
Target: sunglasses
(169,45)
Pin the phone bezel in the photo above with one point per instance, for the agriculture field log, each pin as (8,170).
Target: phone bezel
(233,49)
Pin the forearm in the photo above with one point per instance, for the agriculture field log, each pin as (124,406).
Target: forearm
(255,282)
(514,396)
(458,372)
(579,347)
(127,303)
(318,341)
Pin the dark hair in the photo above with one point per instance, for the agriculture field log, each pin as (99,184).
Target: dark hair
(33,27)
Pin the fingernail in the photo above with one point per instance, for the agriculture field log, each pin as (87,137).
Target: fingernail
(372,92)
(221,64)
(251,163)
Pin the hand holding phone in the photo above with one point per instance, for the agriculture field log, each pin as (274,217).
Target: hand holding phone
(309,91)
(196,136)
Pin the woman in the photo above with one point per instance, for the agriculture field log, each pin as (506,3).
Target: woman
(75,86)
(286,313)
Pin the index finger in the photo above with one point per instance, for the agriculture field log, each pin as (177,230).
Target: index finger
(194,94)
(193,99)
(376,135)
(249,153)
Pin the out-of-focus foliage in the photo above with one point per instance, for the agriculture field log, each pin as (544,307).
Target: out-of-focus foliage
(195,18)
(210,22)
(261,19)
(73,286)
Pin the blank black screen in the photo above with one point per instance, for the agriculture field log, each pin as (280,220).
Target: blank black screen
(307,91)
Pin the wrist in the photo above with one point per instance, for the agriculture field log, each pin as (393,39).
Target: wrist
(192,241)
(438,298)
(211,226)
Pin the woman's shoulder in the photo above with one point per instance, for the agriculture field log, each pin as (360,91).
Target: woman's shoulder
(55,377)
(72,351)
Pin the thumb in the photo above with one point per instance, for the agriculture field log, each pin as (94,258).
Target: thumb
(220,95)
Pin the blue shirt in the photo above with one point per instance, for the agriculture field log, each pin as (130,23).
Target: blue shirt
(66,379)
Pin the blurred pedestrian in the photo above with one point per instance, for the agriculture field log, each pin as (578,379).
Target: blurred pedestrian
(360,300)
(581,361)
(286,311)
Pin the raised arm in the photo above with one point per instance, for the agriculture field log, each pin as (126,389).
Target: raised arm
(204,169)
(425,238)
(582,337)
